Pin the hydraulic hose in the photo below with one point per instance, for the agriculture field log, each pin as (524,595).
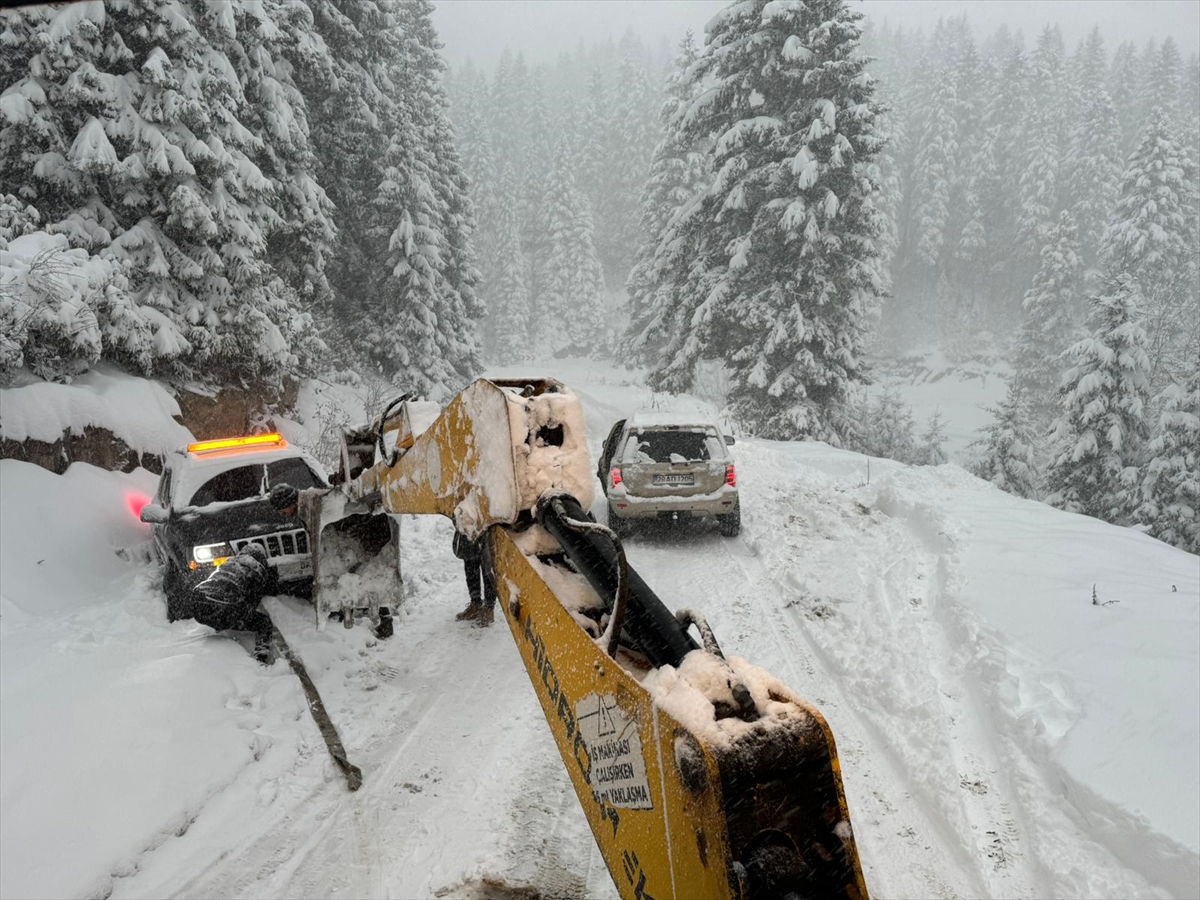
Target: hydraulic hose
(649,624)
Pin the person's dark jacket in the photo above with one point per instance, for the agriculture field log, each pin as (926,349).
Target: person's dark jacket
(232,589)
(467,549)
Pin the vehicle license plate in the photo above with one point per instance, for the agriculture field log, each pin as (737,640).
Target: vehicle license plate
(674,479)
(299,569)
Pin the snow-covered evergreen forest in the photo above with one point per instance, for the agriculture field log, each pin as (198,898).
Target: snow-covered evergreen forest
(223,192)
(1000,195)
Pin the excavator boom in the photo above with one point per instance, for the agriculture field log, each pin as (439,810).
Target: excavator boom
(700,775)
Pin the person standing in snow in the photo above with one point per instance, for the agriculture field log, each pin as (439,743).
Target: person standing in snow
(481,608)
(228,599)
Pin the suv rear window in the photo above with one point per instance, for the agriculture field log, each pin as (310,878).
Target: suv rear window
(660,446)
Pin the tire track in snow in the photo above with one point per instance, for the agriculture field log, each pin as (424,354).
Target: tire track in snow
(867,756)
(744,599)
(1005,867)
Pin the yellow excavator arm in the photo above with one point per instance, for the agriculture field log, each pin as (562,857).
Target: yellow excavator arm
(701,776)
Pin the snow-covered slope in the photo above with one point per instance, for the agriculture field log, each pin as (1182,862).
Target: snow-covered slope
(1000,735)
(136,410)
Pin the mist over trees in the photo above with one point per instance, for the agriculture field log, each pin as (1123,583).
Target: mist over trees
(1045,205)
(579,135)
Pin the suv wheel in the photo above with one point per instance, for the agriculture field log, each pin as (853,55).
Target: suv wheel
(176,590)
(731,525)
(386,626)
(621,527)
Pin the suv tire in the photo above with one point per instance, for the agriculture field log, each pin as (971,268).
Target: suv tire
(731,525)
(176,590)
(621,527)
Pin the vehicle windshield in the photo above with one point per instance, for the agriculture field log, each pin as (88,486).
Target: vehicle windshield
(249,482)
(668,446)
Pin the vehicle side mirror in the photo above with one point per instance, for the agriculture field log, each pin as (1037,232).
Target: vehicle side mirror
(730,440)
(153,514)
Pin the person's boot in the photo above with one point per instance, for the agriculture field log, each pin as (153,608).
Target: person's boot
(264,650)
(471,612)
(487,615)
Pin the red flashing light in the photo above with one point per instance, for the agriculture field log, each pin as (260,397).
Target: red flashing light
(135,503)
(730,476)
(616,477)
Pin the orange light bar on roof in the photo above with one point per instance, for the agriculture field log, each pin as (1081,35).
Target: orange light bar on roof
(254,440)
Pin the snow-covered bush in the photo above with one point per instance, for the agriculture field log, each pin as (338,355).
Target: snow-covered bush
(62,309)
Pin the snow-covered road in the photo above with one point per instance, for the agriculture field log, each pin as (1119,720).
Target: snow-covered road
(1000,736)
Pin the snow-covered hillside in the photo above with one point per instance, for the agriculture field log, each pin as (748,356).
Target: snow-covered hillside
(1000,734)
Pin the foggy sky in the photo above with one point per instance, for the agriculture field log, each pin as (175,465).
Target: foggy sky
(480,29)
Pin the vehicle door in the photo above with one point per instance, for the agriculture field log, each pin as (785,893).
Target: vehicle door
(161,531)
(607,450)
(673,462)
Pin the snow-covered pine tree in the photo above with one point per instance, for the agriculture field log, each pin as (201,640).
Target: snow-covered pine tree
(539,160)
(509,312)
(128,140)
(1039,187)
(1189,105)
(569,311)
(1102,431)
(473,131)
(781,252)
(632,139)
(422,327)
(1095,173)
(1009,444)
(1171,486)
(1047,325)
(888,429)
(1123,88)
(349,114)
(935,167)
(930,451)
(1161,82)
(677,174)
(591,148)
(1153,237)
(270,46)
(1000,162)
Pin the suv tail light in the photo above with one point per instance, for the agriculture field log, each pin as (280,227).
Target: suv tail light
(616,477)
(730,476)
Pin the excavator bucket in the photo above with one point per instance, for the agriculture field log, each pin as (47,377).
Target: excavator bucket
(355,544)
(356,560)
(479,461)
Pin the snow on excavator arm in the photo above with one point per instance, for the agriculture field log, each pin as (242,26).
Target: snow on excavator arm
(700,775)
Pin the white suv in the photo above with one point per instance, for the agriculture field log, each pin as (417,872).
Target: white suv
(656,465)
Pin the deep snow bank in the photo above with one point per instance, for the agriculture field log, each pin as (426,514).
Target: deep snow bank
(115,727)
(960,618)
(136,410)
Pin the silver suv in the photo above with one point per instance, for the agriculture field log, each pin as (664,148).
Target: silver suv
(656,465)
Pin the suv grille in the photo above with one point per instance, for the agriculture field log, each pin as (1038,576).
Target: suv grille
(282,543)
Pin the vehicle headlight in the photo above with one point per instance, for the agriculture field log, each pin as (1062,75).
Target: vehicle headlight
(207,553)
